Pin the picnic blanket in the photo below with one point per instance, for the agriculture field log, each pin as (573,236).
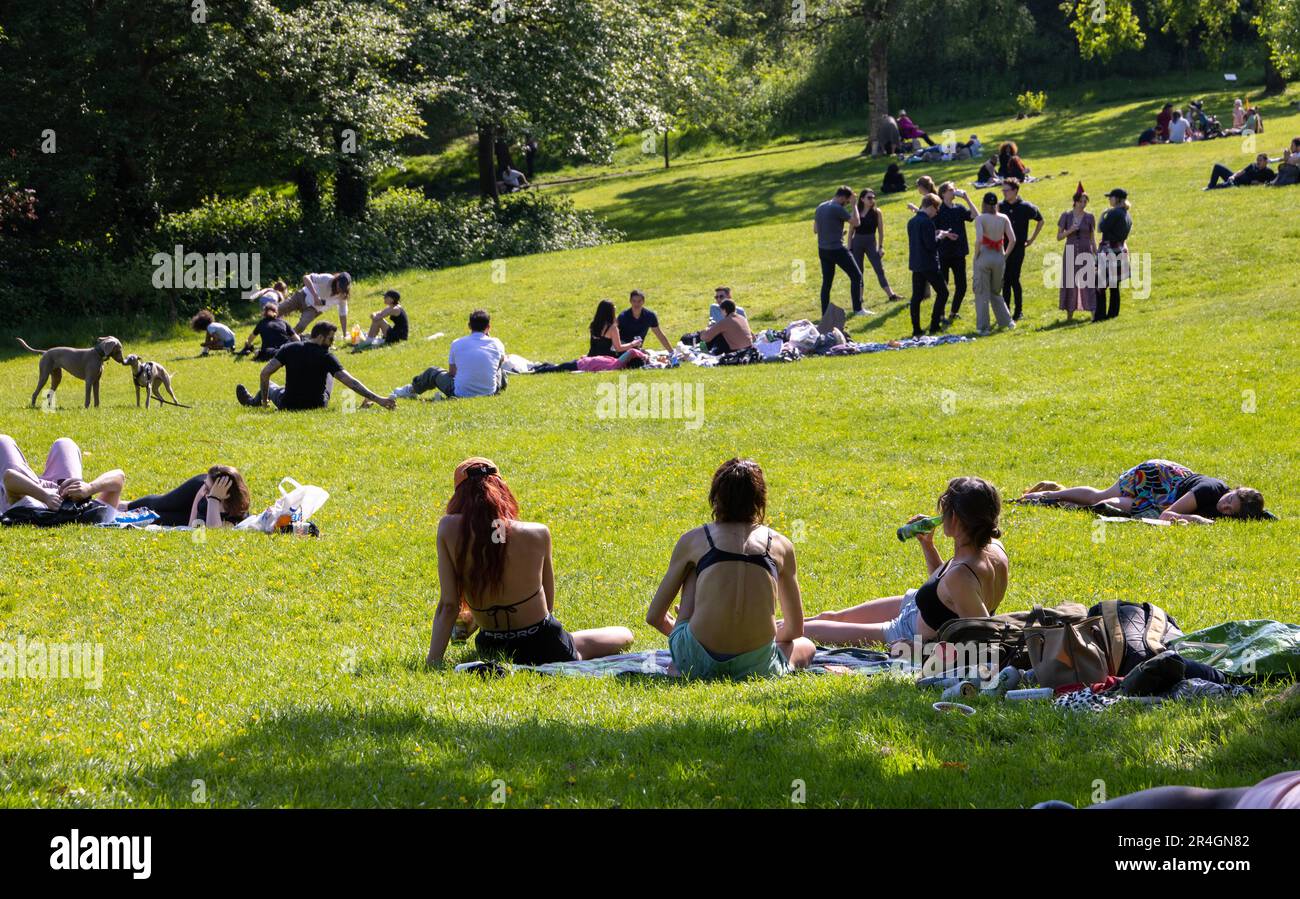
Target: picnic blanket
(655,662)
(984,185)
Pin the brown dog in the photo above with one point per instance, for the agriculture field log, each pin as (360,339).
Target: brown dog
(152,377)
(87,365)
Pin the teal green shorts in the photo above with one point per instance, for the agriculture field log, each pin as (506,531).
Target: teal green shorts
(693,660)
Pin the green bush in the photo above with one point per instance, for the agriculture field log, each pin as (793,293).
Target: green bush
(402,230)
(1030,103)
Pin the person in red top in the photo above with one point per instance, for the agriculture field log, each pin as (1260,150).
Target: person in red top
(1163,119)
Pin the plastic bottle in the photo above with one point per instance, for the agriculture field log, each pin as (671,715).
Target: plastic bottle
(920,526)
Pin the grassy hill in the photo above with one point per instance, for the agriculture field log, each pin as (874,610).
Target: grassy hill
(288,672)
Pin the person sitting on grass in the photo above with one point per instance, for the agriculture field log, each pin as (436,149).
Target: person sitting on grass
(988,173)
(381,332)
(310,371)
(488,558)
(715,308)
(474,365)
(1289,171)
(217,499)
(731,577)
(909,130)
(274,333)
(216,336)
(971,584)
(636,321)
(59,481)
(1160,489)
(893,182)
(730,334)
(1010,165)
(1257,172)
(606,338)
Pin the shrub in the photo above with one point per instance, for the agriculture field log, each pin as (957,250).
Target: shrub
(402,230)
(1030,103)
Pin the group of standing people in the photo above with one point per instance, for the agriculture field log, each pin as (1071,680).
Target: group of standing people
(939,244)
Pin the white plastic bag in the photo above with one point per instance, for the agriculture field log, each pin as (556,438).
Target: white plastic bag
(302,502)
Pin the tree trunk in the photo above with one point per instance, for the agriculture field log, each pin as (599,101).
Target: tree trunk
(505,160)
(665,148)
(351,190)
(487,176)
(308,191)
(1274,83)
(877,88)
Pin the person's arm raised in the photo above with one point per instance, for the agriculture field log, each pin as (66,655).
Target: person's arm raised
(657,616)
(444,618)
(932,558)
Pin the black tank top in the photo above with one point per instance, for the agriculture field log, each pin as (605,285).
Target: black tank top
(601,346)
(869,223)
(715,555)
(933,612)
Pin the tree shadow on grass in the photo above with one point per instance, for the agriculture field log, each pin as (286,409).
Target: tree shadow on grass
(868,744)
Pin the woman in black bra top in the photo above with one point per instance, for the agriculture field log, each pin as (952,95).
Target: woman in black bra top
(731,575)
(605,340)
(487,558)
(971,584)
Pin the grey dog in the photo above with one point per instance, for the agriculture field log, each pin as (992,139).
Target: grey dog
(153,379)
(87,364)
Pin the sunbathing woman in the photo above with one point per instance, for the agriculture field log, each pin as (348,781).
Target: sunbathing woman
(731,575)
(1160,489)
(968,585)
(487,560)
(218,499)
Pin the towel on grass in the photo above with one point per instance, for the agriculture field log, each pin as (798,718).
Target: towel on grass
(655,662)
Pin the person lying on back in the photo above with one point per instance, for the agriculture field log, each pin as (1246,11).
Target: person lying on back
(731,576)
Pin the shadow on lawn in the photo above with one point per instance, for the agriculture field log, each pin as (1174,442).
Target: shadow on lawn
(851,747)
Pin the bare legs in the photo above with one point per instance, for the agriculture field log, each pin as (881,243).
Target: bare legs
(601,641)
(1085,496)
(377,327)
(798,652)
(861,624)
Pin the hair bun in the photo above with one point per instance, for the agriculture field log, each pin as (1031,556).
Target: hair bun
(997,533)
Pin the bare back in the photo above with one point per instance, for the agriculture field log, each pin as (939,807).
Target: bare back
(525,595)
(991,226)
(731,604)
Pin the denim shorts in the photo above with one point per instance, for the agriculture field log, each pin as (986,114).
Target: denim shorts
(904,626)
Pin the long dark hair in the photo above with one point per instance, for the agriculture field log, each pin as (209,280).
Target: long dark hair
(976,504)
(486,508)
(237,503)
(604,318)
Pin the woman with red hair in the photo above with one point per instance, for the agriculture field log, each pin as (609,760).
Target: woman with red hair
(487,560)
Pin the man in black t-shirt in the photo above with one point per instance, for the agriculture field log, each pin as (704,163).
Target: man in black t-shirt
(273,331)
(1021,212)
(309,372)
(638,321)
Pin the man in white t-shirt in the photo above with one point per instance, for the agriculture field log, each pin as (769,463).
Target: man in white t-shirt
(320,291)
(1179,129)
(474,365)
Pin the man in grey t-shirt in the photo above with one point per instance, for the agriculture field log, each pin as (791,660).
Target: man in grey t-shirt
(828,224)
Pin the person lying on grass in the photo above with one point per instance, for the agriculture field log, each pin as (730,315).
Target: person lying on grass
(487,560)
(216,336)
(59,481)
(310,369)
(1281,791)
(217,499)
(1161,489)
(731,577)
(971,584)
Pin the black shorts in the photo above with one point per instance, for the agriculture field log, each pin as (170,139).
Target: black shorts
(546,641)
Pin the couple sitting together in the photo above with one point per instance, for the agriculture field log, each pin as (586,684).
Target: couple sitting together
(730,574)
(219,498)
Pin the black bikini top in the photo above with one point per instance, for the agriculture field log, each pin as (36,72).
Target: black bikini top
(715,555)
(933,612)
(506,609)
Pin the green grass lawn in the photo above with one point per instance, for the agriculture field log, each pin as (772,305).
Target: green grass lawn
(290,672)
